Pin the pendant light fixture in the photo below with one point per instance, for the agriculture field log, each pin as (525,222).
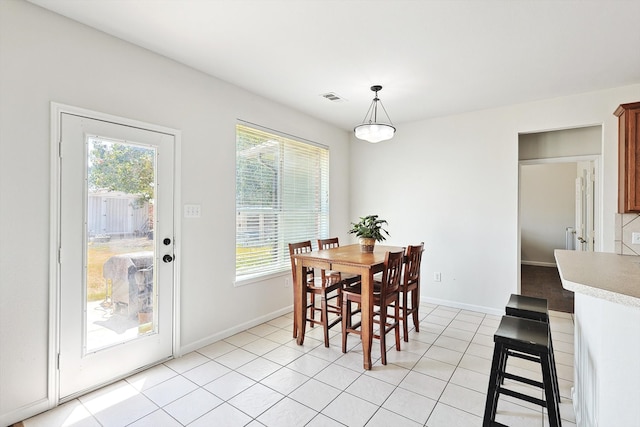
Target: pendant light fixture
(370,129)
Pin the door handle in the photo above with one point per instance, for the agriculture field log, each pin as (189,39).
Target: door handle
(167,258)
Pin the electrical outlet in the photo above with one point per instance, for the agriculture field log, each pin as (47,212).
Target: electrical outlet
(287,282)
(437,277)
(635,238)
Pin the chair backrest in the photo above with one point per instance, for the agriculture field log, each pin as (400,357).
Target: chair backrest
(413,258)
(391,273)
(328,243)
(300,248)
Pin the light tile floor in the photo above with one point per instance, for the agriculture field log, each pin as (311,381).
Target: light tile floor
(261,377)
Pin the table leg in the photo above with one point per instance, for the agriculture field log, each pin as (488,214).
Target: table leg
(367,314)
(299,303)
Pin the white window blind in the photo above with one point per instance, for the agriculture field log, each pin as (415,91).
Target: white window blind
(282,196)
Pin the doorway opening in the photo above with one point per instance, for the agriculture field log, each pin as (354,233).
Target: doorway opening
(559,206)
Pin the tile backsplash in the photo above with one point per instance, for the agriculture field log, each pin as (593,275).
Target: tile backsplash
(625,225)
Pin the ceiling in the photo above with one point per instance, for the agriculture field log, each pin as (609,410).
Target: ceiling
(433,58)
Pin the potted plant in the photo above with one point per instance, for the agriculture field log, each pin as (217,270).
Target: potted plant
(369,231)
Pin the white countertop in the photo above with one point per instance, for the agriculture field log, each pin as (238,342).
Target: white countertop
(603,275)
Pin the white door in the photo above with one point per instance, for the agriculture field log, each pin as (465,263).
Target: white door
(116,251)
(585,206)
(580,225)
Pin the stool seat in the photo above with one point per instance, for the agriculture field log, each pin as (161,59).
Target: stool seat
(527,339)
(523,332)
(528,307)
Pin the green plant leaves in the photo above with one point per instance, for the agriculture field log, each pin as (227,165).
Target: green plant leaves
(370,227)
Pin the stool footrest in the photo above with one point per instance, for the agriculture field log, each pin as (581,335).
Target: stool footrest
(522,396)
(524,356)
(523,380)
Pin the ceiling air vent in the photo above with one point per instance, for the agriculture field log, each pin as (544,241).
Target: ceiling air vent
(331,96)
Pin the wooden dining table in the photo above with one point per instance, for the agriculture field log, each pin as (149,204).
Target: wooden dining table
(345,259)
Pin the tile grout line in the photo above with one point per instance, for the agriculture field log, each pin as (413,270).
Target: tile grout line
(448,332)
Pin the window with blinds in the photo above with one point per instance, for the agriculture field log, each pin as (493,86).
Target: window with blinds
(282,196)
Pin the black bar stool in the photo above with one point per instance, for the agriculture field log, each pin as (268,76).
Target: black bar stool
(527,339)
(528,308)
(534,309)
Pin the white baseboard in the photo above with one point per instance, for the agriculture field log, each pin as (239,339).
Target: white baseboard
(455,304)
(539,263)
(27,411)
(232,331)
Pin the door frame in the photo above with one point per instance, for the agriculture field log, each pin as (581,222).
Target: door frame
(56,112)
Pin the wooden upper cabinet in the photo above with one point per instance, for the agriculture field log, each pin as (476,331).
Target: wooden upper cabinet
(628,157)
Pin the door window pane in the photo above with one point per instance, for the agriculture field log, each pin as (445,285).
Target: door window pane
(120,242)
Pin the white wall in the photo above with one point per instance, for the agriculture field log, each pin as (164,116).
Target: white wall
(560,143)
(547,208)
(453,183)
(45,57)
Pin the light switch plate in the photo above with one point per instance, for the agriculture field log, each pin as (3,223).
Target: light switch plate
(635,238)
(192,211)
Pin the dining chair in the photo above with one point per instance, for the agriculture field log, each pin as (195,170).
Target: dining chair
(410,288)
(316,286)
(329,276)
(385,295)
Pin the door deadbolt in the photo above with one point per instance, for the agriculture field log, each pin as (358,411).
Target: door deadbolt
(166,241)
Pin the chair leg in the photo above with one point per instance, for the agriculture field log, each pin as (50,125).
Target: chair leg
(312,315)
(346,320)
(415,303)
(397,321)
(383,334)
(405,317)
(324,318)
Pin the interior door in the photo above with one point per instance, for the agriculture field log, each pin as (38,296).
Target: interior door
(580,225)
(585,206)
(116,251)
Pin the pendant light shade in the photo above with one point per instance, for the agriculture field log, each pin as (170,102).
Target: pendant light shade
(371,130)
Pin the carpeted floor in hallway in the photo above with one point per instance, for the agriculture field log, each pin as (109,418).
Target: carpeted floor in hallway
(544,282)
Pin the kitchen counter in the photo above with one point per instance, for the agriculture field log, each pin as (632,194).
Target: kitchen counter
(608,276)
(606,290)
